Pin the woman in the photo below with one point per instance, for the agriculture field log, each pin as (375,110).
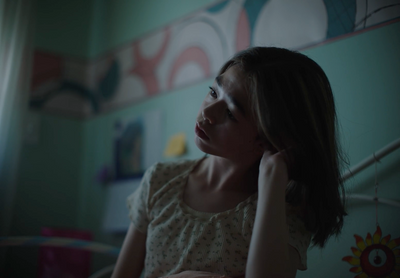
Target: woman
(269,185)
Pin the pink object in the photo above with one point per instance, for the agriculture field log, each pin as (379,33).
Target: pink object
(64,261)
(145,68)
(192,54)
(243,32)
(46,67)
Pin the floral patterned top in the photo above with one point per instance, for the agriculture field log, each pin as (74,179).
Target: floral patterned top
(180,238)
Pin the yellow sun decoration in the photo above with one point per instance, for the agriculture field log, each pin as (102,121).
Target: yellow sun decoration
(375,257)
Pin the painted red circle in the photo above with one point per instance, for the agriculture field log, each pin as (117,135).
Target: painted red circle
(377,271)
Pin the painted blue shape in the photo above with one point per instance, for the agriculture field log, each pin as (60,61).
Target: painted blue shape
(128,147)
(253,9)
(36,241)
(341,17)
(108,84)
(78,244)
(218,7)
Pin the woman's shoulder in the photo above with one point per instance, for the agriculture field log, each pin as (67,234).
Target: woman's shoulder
(162,173)
(171,168)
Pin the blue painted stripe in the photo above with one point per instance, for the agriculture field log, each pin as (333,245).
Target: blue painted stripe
(35,241)
(79,244)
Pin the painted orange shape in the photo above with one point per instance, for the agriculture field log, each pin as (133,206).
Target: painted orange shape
(377,235)
(360,242)
(356,269)
(356,251)
(385,240)
(368,239)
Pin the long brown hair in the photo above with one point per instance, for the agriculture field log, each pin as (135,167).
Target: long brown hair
(294,108)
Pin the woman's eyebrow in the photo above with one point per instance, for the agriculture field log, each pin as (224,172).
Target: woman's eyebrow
(235,102)
(219,80)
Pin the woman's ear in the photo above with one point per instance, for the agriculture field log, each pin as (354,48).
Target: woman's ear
(264,144)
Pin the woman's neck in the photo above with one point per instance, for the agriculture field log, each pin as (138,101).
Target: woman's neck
(220,174)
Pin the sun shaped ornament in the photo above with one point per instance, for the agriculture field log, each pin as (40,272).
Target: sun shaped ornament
(375,257)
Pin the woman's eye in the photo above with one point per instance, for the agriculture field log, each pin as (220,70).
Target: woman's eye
(213,93)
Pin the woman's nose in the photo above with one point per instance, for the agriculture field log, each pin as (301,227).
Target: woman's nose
(210,112)
(207,117)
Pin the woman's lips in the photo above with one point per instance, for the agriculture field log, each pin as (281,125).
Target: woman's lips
(200,133)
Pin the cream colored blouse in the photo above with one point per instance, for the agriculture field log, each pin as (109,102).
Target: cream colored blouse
(180,238)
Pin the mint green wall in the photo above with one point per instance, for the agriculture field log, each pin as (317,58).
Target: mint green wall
(48,187)
(50,176)
(64,27)
(87,28)
(57,186)
(127,19)
(364,72)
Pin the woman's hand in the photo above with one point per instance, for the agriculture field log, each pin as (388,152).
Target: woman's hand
(198,274)
(274,165)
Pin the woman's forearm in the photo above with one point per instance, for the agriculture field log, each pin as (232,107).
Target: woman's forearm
(269,249)
(130,261)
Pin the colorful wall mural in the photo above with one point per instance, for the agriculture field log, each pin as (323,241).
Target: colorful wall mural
(193,49)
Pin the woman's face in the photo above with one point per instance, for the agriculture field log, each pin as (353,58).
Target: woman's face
(224,125)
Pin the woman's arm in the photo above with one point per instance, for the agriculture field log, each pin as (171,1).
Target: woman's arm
(131,258)
(270,254)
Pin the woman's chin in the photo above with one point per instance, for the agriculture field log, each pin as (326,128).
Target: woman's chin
(202,146)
